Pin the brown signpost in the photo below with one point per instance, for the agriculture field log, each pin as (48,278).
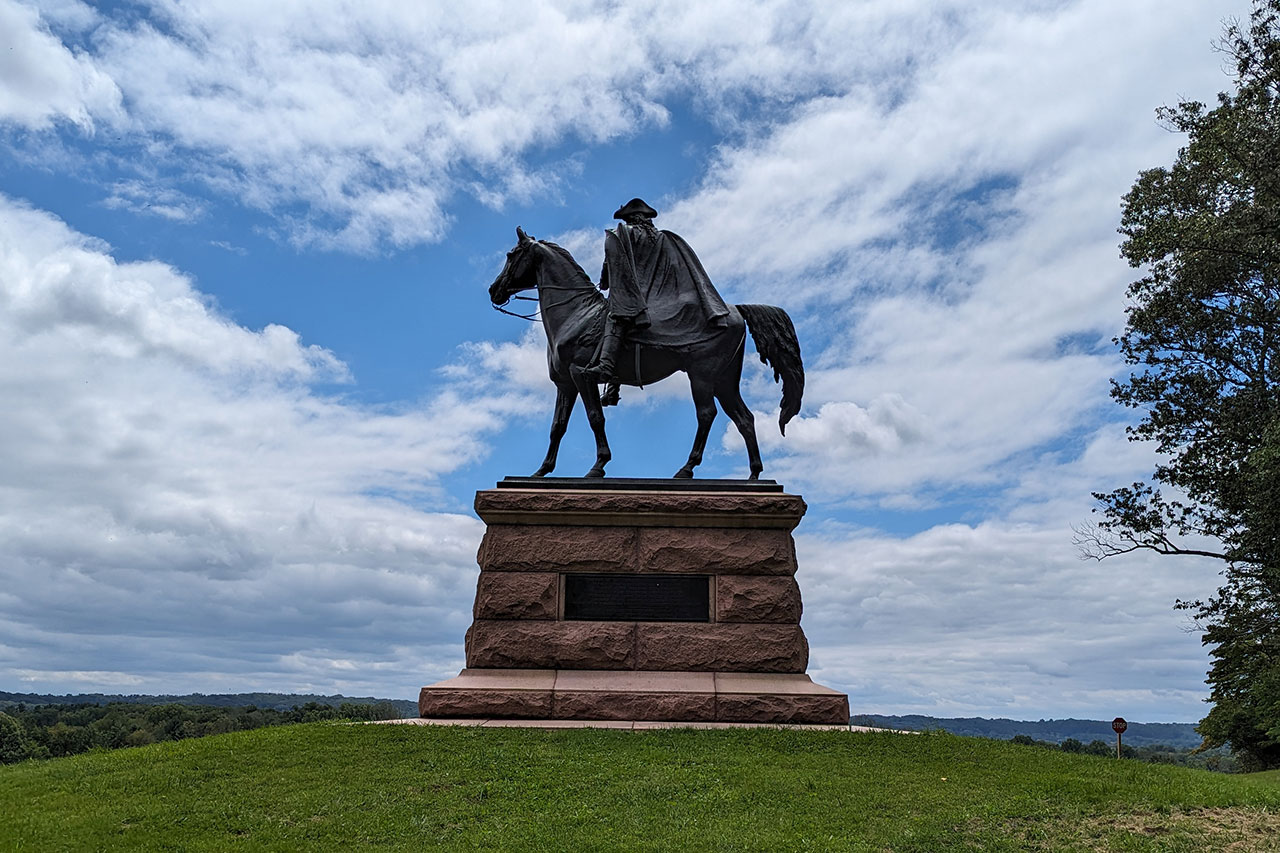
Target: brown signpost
(1118,725)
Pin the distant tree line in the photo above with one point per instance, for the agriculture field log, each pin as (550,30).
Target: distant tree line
(1175,735)
(1219,760)
(278,701)
(52,731)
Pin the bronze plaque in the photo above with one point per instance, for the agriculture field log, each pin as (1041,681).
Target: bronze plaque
(637,598)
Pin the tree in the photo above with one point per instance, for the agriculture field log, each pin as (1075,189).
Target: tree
(14,743)
(1098,747)
(1203,334)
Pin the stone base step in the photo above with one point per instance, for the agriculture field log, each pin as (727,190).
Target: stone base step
(623,725)
(636,695)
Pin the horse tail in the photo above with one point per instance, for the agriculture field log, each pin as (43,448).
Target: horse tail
(775,338)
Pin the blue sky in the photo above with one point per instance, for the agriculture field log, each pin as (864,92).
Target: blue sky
(253,381)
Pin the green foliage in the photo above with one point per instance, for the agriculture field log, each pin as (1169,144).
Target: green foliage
(1153,753)
(1203,331)
(15,744)
(402,787)
(59,730)
(1271,777)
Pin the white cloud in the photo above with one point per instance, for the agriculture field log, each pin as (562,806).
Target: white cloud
(356,124)
(43,80)
(97,679)
(371,116)
(843,429)
(1001,618)
(166,474)
(521,364)
(165,202)
(62,294)
(952,249)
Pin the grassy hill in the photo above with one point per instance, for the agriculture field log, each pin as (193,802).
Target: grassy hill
(326,786)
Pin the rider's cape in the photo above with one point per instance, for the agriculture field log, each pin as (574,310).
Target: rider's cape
(659,285)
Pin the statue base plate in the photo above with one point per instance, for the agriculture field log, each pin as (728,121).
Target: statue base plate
(641,484)
(638,695)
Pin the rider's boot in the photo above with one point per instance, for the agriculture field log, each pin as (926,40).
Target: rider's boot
(605,367)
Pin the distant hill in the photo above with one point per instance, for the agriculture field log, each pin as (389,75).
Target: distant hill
(275,701)
(1182,735)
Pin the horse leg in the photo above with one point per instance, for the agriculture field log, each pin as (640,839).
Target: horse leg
(590,393)
(704,404)
(566,396)
(740,413)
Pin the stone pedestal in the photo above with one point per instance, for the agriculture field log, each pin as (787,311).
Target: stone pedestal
(637,600)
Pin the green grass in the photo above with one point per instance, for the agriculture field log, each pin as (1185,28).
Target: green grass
(326,786)
(1271,776)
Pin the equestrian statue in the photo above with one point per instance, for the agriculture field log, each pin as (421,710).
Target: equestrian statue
(662,315)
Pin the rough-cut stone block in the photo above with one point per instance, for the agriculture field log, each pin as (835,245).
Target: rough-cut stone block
(603,705)
(774,708)
(757,599)
(716,550)
(516,595)
(721,647)
(639,509)
(557,548)
(519,704)
(489,693)
(551,645)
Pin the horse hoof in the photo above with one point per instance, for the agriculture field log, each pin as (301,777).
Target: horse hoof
(755,475)
(684,474)
(538,473)
(594,473)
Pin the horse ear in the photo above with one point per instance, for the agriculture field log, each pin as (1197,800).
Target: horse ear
(523,237)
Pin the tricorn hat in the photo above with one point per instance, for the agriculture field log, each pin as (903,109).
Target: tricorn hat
(633,207)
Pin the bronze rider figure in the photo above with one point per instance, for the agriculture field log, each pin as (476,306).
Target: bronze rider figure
(646,271)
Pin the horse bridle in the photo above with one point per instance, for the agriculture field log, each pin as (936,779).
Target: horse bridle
(534,318)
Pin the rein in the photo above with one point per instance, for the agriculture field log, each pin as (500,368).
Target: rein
(534,318)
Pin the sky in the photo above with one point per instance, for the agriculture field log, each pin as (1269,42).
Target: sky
(251,379)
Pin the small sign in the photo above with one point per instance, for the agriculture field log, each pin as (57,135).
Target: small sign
(637,598)
(1118,725)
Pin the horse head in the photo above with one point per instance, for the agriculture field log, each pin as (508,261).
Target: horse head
(518,273)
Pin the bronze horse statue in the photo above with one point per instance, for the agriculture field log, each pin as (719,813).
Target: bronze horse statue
(573,314)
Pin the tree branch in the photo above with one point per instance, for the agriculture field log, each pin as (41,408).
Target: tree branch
(1095,543)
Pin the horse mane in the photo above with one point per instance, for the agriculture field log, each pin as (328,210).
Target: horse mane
(568,259)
